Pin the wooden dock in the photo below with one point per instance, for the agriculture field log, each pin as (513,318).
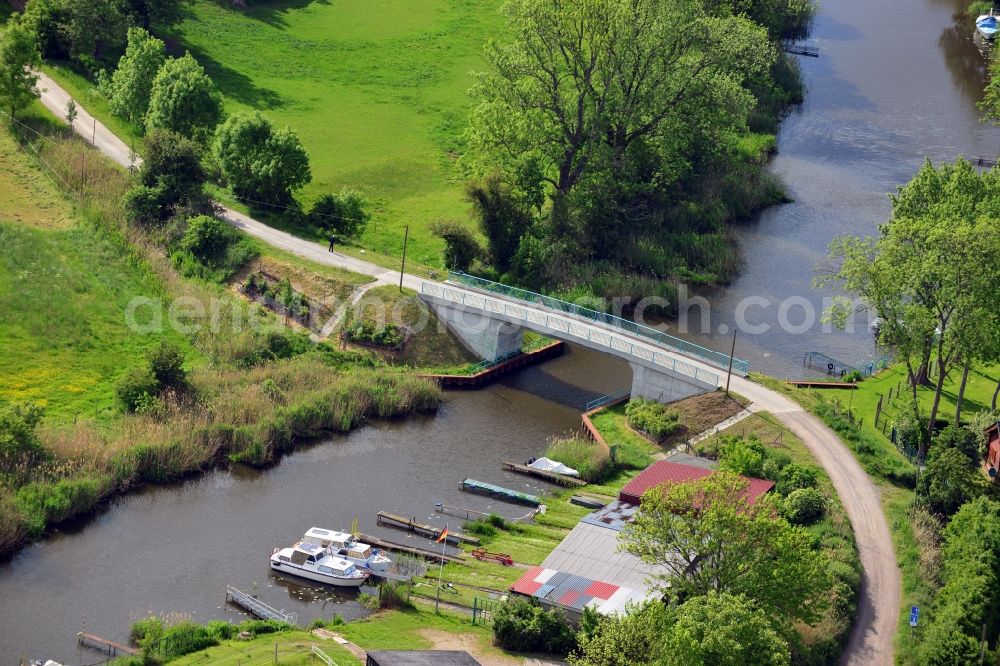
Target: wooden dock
(561,479)
(409,550)
(386,519)
(104,645)
(802,50)
(494,372)
(499,492)
(805,383)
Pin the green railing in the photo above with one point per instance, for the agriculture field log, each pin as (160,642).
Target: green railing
(713,357)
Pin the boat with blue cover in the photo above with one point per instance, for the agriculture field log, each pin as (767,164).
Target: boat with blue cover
(987,25)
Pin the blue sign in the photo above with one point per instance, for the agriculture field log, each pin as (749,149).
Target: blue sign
(914,615)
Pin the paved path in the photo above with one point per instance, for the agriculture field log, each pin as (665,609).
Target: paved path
(871,640)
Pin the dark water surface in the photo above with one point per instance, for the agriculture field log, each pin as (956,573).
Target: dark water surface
(896,81)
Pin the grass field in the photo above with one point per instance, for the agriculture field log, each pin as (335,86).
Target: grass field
(377,93)
(64,288)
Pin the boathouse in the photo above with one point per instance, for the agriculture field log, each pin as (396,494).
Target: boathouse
(993,451)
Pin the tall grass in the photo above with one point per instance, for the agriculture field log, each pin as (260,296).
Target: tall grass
(584,455)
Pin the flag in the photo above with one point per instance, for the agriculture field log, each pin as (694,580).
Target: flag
(443,535)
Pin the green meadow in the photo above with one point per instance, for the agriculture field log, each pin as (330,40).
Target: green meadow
(378,93)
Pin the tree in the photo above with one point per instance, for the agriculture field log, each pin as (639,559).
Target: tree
(91,27)
(172,165)
(71,112)
(147,12)
(583,88)
(949,480)
(132,82)
(924,277)
(344,214)
(460,247)
(166,362)
(706,537)
(184,100)
(502,218)
(19,60)
(207,239)
(724,630)
(19,441)
(633,639)
(260,162)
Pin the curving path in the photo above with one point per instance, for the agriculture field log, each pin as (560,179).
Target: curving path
(871,639)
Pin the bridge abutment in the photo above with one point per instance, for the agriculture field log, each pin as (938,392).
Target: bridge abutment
(485,336)
(663,387)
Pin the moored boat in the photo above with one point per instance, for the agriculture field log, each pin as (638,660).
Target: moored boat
(350,549)
(308,560)
(987,25)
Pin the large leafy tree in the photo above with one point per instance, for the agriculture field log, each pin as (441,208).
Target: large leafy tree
(706,537)
(925,277)
(632,639)
(19,59)
(583,89)
(260,162)
(724,630)
(184,100)
(132,81)
(147,12)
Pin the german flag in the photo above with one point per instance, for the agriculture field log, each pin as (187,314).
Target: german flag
(442,536)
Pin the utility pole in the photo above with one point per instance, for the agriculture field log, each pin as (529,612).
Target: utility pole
(444,542)
(402,266)
(732,351)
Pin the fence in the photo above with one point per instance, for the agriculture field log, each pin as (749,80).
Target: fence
(677,344)
(483,609)
(606,399)
(569,328)
(324,657)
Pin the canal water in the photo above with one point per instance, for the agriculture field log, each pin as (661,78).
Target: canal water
(894,82)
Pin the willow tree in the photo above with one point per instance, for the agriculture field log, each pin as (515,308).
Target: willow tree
(585,86)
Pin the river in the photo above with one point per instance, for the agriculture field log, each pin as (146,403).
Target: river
(894,82)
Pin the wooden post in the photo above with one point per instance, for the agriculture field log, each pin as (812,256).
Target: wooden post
(729,375)
(402,266)
(93,141)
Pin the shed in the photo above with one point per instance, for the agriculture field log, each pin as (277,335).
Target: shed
(993,451)
(664,471)
(421,658)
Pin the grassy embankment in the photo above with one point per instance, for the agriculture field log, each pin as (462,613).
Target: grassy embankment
(891,471)
(69,268)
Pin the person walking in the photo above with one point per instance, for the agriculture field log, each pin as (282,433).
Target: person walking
(333,239)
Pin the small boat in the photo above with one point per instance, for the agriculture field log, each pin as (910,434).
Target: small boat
(343,544)
(987,25)
(308,560)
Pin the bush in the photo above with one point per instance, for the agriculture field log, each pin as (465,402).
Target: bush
(221,630)
(652,418)
(167,365)
(460,245)
(741,455)
(343,214)
(520,625)
(804,506)
(795,476)
(18,439)
(592,461)
(143,207)
(211,249)
(136,388)
(147,630)
(184,638)
(261,627)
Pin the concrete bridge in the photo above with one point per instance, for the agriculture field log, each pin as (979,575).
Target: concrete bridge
(490,319)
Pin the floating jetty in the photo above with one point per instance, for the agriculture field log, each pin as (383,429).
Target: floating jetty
(104,645)
(561,479)
(410,550)
(499,492)
(256,607)
(587,502)
(387,519)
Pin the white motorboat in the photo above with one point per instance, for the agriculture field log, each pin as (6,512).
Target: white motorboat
(344,544)
(308,560)
(988,25)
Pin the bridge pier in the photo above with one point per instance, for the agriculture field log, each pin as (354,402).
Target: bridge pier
(485,336)
(663,387)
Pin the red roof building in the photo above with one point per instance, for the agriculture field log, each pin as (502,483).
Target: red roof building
(664,471)
(993,451)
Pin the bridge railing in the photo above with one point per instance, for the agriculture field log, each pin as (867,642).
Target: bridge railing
(568,327)
(682,346)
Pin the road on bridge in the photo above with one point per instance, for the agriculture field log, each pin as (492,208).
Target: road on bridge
(871,639)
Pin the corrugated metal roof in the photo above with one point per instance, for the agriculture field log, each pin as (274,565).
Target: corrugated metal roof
(575,592)
(591,552)
(664,471)
(614,516)
(692,461)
